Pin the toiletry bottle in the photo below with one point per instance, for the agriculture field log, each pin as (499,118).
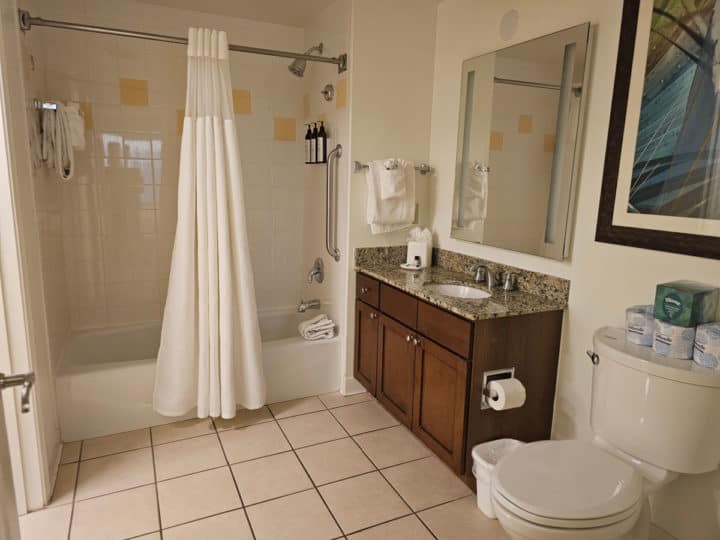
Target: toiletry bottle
(313,144)
(308,144)
(322,144)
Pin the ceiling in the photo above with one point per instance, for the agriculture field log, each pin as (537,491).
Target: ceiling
(287,12)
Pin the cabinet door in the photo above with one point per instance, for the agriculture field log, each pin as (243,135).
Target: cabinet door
(366,345)
(439,408)
(396,361)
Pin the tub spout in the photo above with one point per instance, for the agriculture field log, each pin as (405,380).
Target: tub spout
(309,304)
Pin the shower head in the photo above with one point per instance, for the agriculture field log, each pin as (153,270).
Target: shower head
(297,67)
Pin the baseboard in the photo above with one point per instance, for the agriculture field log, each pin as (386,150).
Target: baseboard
(351,386)
(656,533)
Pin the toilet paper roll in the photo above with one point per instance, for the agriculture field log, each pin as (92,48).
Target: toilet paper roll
(673,341)
(506,394)
(640,325)
(706,351)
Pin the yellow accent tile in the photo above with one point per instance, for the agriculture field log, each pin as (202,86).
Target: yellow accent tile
(180,120)
(241,101)
(134,92)
(341,93)
(496,140)
(549,143)
(284,129)
(525,123)
(86,110)
(306,106)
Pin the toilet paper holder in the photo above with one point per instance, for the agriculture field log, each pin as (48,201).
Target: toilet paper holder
(488,377)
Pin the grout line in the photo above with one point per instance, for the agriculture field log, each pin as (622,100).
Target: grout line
(116,453)
(77,478)
(202,518)
(237,488)
(155,484)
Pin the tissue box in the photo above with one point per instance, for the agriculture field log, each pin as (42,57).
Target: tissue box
(673,341)
(685,303)
(421,250)
(707,346)
(639,325)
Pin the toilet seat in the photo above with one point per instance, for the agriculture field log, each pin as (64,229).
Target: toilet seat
(567,485)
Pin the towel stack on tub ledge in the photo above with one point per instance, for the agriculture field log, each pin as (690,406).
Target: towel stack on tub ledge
(319,327)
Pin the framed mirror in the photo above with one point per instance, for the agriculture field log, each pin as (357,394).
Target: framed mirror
(520,113)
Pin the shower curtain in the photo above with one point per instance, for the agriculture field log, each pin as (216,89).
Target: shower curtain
(210,351)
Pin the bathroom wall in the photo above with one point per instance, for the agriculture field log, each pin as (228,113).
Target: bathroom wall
(119,212)
(605,278)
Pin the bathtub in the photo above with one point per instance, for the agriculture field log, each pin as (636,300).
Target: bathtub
(105,379)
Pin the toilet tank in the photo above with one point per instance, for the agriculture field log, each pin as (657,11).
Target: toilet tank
(660,410)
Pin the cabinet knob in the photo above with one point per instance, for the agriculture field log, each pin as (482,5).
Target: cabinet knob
(373,315)
(363,290)
(408,338)
(416,341)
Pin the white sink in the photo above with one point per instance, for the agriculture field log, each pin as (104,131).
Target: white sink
(458,291)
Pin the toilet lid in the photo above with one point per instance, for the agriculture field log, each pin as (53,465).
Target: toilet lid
(567,480)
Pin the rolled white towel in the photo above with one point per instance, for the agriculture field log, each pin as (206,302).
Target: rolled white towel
(319,327)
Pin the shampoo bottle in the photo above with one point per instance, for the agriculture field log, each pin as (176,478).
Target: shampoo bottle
(322,144)
(308,144)
(314,144)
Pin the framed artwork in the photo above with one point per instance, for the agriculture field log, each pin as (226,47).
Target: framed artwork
(661,179)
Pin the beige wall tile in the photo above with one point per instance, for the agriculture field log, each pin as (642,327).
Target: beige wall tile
(341,93)
(306,106)
(284,128)
(242,102)
(525,123)
(134,92)
(496,140)
(549,143)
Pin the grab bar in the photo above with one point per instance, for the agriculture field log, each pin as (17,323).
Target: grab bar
(330,211)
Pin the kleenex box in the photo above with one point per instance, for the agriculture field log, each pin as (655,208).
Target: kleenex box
(685,303)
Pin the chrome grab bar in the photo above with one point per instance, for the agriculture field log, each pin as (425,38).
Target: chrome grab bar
(26,381)
(330,210)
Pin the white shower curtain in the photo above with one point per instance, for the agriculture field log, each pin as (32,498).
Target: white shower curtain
(210,350)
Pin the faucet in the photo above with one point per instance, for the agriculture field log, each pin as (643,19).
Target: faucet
(317,272)
(484,275)
(310,304)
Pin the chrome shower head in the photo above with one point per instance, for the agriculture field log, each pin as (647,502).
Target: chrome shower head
(297,67)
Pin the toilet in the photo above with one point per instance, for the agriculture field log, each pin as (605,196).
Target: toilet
(653,418)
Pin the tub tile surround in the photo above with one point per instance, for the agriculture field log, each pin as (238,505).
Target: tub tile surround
(246,478)
(536,292)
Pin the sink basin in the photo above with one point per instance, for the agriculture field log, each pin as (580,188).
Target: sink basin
(458,291)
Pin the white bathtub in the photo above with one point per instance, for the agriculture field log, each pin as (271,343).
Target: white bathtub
(105,381)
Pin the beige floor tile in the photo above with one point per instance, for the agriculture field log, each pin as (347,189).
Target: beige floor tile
(253,442)
(296,406)
(426,482)
(47,524)
(302,516)
(407,528)
(182,430)
(112,444)
(334,460)
(197,496)
(392,446)
(270,477)
(311,428)
(223,527)
(70,452)
(188,456)
(363,501)
(336,399)
(460,520)
(151,536)
(114,473)
(64,485)
(364,417)
(243,418)
(116,516)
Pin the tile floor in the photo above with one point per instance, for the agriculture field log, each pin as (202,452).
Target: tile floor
(318,468)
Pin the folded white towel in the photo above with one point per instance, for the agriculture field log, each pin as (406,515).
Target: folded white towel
(391,195)
(76,123)
(319,327)
(57,150)
(473,198)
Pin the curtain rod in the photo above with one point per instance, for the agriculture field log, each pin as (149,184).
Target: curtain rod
(27,21)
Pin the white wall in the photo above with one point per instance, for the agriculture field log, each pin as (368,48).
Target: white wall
(605,279)
(390,97)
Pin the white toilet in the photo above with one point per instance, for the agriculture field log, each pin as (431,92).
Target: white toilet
(653,418)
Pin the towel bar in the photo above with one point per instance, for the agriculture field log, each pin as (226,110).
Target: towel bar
(422,168)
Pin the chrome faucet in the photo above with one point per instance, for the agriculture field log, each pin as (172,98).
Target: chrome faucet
(317,272)
(484,275)
(310,304)
(510,281)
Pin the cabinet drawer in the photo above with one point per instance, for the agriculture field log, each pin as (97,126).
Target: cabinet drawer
(398,305)
(367,289)
(447,329)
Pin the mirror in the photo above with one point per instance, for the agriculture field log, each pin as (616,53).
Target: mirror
(520,112)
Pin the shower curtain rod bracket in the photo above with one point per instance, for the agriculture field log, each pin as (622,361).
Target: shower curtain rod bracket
(27,21)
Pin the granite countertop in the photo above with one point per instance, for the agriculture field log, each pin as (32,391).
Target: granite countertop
(500,304)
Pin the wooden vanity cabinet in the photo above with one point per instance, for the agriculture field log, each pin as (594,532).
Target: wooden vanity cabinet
(367,320)
(396,368)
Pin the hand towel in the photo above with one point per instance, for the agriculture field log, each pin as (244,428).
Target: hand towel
(391,195)
(319,327)
(473,198)
(57,150)
(76,123)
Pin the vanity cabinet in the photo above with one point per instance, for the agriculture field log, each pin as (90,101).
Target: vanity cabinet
(367,320)
(396,368)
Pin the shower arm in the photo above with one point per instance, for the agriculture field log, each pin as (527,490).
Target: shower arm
(330,210)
